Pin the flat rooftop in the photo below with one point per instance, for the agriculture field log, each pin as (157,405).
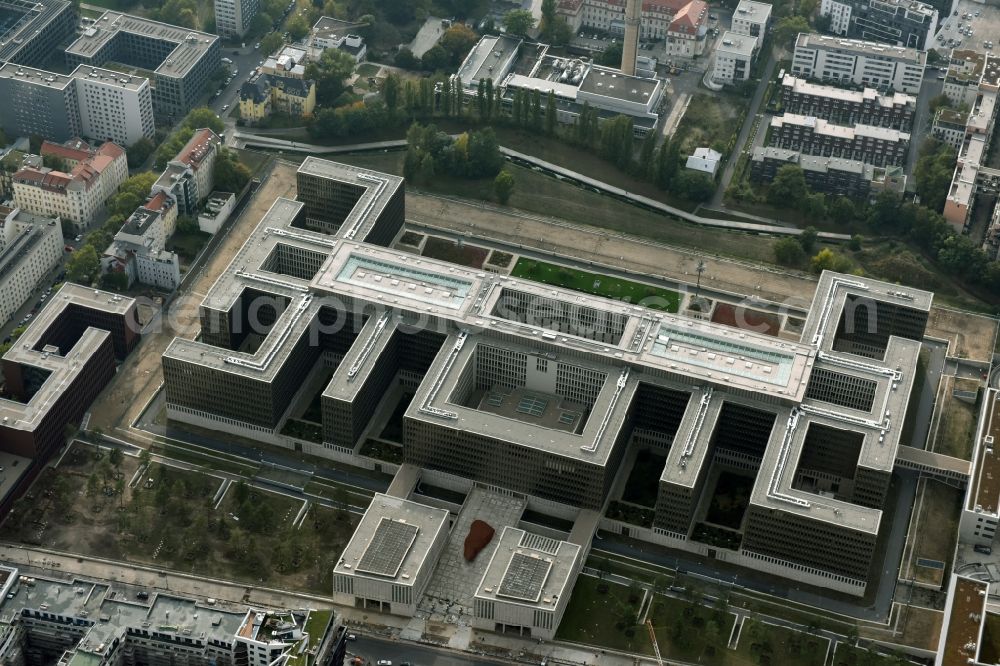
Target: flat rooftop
(964,615)
(804,87)
(530,570)
(109,77)
(12,468)
(489,59)
(613,83)
(190,45)
(985,490)
(748,9)
(41,77)
(64,367)
(736,44)
(35,17)
(807,40)
(392,540)
(848,133)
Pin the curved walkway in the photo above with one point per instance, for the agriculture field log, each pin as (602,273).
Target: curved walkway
(253,140)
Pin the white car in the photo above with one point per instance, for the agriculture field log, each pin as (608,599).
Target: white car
(384,662)
(225,107)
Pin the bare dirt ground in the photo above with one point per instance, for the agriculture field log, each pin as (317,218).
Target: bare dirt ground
(970,336)
(140,376)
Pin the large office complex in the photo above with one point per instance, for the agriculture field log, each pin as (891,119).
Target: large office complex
(33,30)
(847,107)
(233,17)
(901,22)
(539,391)
(858,63)
(78,194)
(880,146)
(78,622)
(100,104)
(58,366)
(30,247)
(574,82)
(182,60)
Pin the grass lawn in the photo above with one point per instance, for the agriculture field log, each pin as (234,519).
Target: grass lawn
(536,193)
(367,69)
(600,613)
(472,256)
(783,645)
(188,245)
(956,423)
(936,531)
(644,481)
(252,159)
(597,284)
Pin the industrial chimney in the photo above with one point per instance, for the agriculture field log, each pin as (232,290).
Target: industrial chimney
(631,36)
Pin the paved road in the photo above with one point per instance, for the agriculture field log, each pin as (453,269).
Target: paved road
(758,96)
(372,649)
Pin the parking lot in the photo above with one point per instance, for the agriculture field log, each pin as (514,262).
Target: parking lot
(983,21)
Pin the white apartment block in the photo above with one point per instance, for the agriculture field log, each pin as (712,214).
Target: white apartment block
(609,16)
(109,159)
(113,106)
(30,247)
(233,17)
(851,61)
(751,18)
(733,58)
(839,13)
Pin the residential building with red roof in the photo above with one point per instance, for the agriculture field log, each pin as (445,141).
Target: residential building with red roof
(609,16)
(687,31)
(77,194)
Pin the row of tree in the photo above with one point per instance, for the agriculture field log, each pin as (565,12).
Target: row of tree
(430,151)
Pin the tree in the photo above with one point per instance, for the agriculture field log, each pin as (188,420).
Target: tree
(547,26)
(711,634)
(82,266)
(390,92)
(694,185)
(939,102)
(807,239)
(115,281)
(139,152)
(550,114)
(115,457)
(241,492)
(788,252)
(259,25)
(271,43)
(457,41)
(145,457)
(93,485)
(484,157)
(611,56)
(297,27)
(518,22)
(435,58)
(406,60)
(841,210)
(329,72)
(788,28)
(54,162)
(229,173)
(828,260)
(788,189)
(814,206)
(667,163)
(933,172)
(503,186)
(130,195)
(536,110)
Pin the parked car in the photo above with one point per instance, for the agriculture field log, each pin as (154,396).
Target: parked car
(985,550)
(384,662)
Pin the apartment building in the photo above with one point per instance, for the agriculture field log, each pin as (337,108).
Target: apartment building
(138,249)
(61,363)
(752,18)
(847,107)
(858,63)
(879,146)
(182,60)
(96,103)
(30,247)
(830,175)
(76,196)
(734,56)
(539,392)
(35,31)
(233,17)
(907,23)
(949,126)
(76,621)
(108,158)
(189,177)
(264,94)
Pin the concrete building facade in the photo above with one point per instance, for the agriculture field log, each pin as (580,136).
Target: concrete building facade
(734,56)
(830,175)
(907,23)
(848,61)
(233,17)
(879,146)
(847,107)
(30,247)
